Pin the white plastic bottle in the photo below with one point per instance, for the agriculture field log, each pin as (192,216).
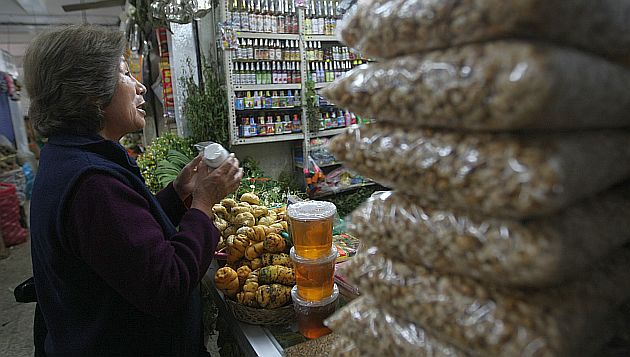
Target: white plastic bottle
(214,154)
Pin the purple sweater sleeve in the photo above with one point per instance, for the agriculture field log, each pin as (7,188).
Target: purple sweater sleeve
(171,204)
(112,230)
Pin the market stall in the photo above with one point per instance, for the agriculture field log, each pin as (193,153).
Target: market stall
(501,128)
(273,300)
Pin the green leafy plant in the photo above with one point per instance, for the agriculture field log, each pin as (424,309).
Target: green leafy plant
(348,201)
(205,107)
(271,192)
(157,152)
(168,169)
(312,107)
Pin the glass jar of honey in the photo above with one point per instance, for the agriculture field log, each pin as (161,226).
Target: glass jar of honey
(314,277)
(311,225)
(310,315)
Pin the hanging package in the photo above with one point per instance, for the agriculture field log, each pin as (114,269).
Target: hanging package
(375,330)
(500,175)
(574,319)
(527,253)
(390,28)
(493,86)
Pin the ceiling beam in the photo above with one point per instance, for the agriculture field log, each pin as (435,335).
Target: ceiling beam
(58,20)
(93,5)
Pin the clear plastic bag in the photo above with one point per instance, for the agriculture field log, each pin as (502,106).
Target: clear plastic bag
(500,175)
(528,253)
(379,333)
(493,86)
(390,28)
(574,319)
(345,347)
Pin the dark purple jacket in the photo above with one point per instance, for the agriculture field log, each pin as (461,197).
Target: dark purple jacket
(113,275)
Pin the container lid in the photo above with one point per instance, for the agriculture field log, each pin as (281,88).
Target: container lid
(214,154)
(323,302)
(311,210)
(327,259)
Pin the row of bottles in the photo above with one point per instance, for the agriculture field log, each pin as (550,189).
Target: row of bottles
(267,100)
(266,49)
(322,72)
(315,52)
(337,118)
(271,16)
(269,124)
(266,73)
(321,17)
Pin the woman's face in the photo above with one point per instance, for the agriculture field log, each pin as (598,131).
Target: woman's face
(124,114)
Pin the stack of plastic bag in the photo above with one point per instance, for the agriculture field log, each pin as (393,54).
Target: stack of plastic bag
(502,128)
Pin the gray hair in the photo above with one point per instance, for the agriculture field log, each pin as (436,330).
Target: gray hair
(71,75)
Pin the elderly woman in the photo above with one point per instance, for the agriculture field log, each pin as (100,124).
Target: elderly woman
(113,274)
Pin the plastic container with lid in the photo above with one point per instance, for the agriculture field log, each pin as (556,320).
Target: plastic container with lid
(213,154)
(310,225)
(310,315)
(314,277)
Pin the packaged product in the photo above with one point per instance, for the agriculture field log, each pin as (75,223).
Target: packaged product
(526,253)
(492,86)
(344,347)
(502,175)
(573,319)
(374,329)
(390,28)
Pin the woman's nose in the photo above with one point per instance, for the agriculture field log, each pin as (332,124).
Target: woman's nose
(140,88)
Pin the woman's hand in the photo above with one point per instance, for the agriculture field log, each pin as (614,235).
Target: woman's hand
(184,184)
(212,186)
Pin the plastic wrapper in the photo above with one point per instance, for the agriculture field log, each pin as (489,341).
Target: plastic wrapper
(573,319)
(503,175)
(345,347)
(526,253)
(379,333)
(390,28)
(493,86)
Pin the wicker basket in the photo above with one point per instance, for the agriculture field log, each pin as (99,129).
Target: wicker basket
(250,315)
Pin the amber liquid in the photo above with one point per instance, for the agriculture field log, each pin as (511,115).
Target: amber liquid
(315,281)
(312,239)
(310,321)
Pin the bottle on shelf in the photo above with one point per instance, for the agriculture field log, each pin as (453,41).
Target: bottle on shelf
(248,101)
(298,73)
(275,100)
(268,101)
(257,104)
(287,124)
(261,128)
(296,125)
(278,126)
(274,73)
(290,99)
(297,99)
(270,125)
